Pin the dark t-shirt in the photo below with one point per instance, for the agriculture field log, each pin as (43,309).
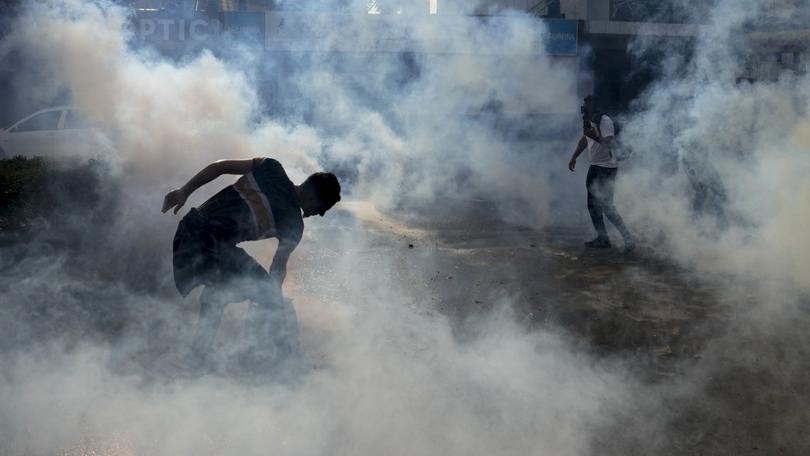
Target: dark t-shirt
(259,205)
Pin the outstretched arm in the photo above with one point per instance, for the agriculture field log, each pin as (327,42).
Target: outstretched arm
(177,197)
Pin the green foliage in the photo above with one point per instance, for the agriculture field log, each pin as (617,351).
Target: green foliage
(33,188)
(22,190)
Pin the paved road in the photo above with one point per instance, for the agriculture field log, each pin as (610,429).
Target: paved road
(719,380)
(708,371)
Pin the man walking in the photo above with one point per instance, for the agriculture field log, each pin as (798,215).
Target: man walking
(263,203)
(597,137)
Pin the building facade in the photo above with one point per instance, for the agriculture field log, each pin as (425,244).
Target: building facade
(594,38)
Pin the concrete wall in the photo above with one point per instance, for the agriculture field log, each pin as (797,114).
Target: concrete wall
(598,10)
(535,6)
(574,9)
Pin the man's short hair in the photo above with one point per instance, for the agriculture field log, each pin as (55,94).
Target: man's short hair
(326,187)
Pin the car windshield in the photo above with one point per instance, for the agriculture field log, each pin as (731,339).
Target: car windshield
(76,119)
(43,121)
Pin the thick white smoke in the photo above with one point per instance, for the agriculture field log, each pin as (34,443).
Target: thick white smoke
(736,146)
(403,138)
(390,376)
(718,183)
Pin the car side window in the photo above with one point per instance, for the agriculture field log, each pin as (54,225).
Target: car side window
(76,119)
(48,120)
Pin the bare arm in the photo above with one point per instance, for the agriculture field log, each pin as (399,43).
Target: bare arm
(603,140)
(177,197)
(606,125)
(583,143)
(278,269)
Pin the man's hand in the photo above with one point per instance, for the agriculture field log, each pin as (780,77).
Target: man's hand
(572,164)
(174,199)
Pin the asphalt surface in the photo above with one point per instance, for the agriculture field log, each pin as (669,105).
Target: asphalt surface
(711,379)
(718,379)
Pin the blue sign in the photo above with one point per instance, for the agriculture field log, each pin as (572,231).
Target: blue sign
(174,32)
(561,36)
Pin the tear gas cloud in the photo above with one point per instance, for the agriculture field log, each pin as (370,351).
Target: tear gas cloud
(205,108)
(740,144)
(718,183)
(394,377)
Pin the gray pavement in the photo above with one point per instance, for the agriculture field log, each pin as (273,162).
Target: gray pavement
(713,381)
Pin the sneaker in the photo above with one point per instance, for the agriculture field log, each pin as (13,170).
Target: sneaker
(629,244)
(598,243)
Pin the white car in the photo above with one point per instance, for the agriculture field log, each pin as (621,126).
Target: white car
(58,132)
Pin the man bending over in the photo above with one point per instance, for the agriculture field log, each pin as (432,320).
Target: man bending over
(263,203)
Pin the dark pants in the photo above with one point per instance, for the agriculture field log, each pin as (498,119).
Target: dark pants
(600,184)
(231,275)
(271,336)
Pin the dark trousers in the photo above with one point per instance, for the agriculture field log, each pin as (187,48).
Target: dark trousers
(600,184)
(231,275)
(271,336)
